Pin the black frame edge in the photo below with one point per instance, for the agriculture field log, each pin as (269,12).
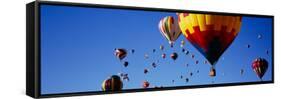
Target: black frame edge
(31,66)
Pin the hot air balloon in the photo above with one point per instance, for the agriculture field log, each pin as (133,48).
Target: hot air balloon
(133,51)
(169,28)
(196,62)
(154,50)
(153,65)
(163,55)
(186,52)
(241,71)
(120,53)
(186,80)
(210,34)
(260,66)
(174,56)
(248,45)
(205,62)
(190,73)
(192,56)
(113,83)
(126,63)
(183,50)
(182,43)
(259,36)
(145,84)
(145,71)
(161,47)
(267,52)
(181,76)
(146,56)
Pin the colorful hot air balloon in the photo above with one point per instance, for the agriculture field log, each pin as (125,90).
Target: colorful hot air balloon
(174,56)
(113,83)
(260,66)
(169,28)
(120,53)
(145,84)
(210,34)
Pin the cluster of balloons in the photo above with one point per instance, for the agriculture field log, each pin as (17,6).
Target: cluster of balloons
(210,34)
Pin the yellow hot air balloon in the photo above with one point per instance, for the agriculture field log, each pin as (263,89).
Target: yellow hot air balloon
(210,34)
(169,28)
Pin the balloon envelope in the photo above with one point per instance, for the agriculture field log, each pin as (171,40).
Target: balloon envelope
(113,83)
(169,28)
(260,66)
(120,53)
(210,34)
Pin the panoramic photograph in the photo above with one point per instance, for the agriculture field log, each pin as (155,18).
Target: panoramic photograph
(87,49)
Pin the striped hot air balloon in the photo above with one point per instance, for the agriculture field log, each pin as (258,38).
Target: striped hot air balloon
(169,28)
(210,34)
(260,66)
(113,83)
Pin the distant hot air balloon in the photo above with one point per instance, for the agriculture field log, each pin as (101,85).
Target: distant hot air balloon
(153,65)
(205,62)
(145,84)
(196,62)
(120,53)
(210,34)
(133,51)
(248,45)
(154,50)
(146,56)
(181,76)
(174,56)
(190,73)
(192,56)
(183,50)
(259,36)
(163,55)
(267,52)
(186,52)
(182,43)
(241,71)
(186,80)
(161,47)
(145,71)
(113,83)
(126,63)
(260,66)
(169,28)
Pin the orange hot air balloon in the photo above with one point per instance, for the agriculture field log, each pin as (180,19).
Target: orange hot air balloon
(210,34)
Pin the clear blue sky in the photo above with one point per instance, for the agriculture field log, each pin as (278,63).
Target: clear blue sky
(77,50)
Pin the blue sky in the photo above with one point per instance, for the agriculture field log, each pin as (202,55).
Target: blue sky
(77,50)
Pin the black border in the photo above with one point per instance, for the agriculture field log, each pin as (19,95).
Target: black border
(37,48)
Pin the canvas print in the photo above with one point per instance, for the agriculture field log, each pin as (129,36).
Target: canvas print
(88,49)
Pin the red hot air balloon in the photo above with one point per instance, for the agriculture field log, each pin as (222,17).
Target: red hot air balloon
(260,66)
(120,53)
(174,56)
(145,84)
